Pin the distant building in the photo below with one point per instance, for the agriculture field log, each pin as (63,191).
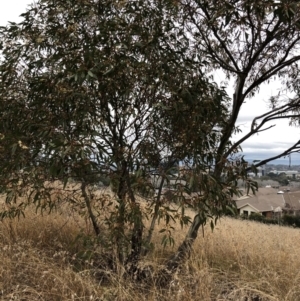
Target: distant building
(266,201)
(270,202)
(292,199)
(292,174)
(289,173)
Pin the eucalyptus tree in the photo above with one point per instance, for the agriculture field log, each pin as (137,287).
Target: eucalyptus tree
(100,87)
(252,43)
(122,88)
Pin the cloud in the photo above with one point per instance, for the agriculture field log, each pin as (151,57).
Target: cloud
(245,119)
(256,149)
(11,10)
(268,146)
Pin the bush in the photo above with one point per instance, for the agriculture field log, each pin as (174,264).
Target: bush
(273,221)
(291,220)
(257,217)
(262,219)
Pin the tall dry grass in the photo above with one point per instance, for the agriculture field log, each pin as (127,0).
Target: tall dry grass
(43,259)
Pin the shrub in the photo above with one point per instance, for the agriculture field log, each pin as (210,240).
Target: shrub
(291,220)
(257,217)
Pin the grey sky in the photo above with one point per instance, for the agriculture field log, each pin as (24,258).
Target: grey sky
(271,142)
(263,145)
(11,9)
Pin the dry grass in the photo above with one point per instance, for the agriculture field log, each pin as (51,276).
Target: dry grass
(42,259)
(250,258)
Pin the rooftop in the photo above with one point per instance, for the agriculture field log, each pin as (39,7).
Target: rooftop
(265,199)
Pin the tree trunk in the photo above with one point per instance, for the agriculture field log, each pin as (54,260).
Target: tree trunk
(120,235)
(89,207)
(184,249)
(154,219)
(137,232)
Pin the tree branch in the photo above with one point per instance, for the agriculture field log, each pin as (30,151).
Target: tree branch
(211,52)
(272,71)
(215,32)
(294,149)
(271,115)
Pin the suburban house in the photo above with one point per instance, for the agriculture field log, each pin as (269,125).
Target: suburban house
(266,201)
(292,199)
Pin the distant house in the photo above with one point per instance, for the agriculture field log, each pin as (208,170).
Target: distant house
(266,201)
(292,200)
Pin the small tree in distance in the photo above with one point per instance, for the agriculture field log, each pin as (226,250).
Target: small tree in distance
(120,89)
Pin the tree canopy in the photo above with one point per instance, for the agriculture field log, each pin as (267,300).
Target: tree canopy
(122,90)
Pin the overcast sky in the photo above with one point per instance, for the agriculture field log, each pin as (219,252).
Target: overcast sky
(263,145)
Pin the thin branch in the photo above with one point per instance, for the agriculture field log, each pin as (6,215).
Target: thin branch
(239,142)
(272,71)
(211,51)
(215,32)
(263,45)
(295,148)
(271,115)
(283,117)
(265,129)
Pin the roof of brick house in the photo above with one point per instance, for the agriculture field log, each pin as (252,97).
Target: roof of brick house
(265,199)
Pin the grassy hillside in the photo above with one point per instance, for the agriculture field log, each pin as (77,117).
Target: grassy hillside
(44,258)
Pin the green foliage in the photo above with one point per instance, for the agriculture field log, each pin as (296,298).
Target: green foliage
(291,220)
(262,219)
(257,217)
(231,211)
(120,92)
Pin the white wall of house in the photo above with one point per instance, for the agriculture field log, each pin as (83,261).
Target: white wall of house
(247,208)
